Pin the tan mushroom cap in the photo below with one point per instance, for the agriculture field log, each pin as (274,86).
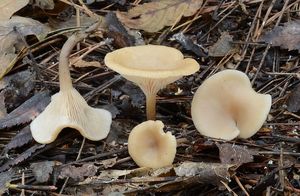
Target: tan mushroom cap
(69,109)
(151,67)
(150,146)
(225,106)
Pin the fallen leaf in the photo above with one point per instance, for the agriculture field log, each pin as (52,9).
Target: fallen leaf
(109,162)
(20,158)
(118,32)
(9,7)
(286,36)
(154,16)
(78,62)
(235,154)
(5,177)
(43,4)
(78,173)
(11,42)
(293,102)
(42,170)
(17,87)
(222,47)
(3,111)
(188,44)
(27,111)
(85,21)
(23,137)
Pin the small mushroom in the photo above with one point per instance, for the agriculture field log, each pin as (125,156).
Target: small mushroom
(225,106)
(68,108)
(151,67)
(150,146)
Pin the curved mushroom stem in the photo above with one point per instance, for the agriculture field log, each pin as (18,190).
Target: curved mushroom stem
(151,106)
(65,81)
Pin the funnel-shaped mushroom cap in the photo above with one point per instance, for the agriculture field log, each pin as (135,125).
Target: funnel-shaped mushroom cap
(225,106)
(151,67)
(150,146)
(69,109)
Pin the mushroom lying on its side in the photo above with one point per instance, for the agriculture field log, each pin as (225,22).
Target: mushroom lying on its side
(225,106)
(150,146)
(68,108)
(151,67)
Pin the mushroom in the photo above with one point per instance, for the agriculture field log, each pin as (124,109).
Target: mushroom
(150,146)
(225,106)
(68,108)
(151,67)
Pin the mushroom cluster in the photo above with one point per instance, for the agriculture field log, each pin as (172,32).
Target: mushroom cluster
(68,108)
(150,146)
(225,106)
(151,67)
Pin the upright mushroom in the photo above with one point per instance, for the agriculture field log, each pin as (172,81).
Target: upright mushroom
(150,146)
(68,108)
(225,106)
(151,67)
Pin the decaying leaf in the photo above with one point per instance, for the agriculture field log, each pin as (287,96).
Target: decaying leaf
(22,138)
(3,111)
(42,170)
(82,63)
(210,173)
(43,4)
(85,21)
(78,173)
(27,111)
(188,44)
(9,7)
(109,162)
(17,87)
(286,36)
(235,154)
(186,172)
(155,15)
(11,42)
(293,102)
(5,177)
(222,47)
(22,157)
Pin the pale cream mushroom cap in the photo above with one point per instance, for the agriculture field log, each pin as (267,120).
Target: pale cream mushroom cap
(151,67)
(150,146)
(225,106)
(69,109)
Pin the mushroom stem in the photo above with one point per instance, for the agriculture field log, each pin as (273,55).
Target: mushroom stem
(151,106)
(65,81)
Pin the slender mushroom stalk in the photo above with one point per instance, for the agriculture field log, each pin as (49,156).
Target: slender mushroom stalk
(151,67)
(150,146)
(68,108)
(225,106)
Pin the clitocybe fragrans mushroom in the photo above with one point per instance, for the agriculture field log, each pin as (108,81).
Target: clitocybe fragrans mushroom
(225,106)
(68,108)
(151,67)
(150,146)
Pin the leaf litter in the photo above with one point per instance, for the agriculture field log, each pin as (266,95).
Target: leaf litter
(202,30)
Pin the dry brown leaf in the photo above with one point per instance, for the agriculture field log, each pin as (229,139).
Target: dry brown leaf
(286,36)
(10,42)
(78,173)
(9,7)
(153,16)
(235,154)
(3,111)
(82,63)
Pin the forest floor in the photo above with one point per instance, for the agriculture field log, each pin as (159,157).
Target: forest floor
(258,37)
